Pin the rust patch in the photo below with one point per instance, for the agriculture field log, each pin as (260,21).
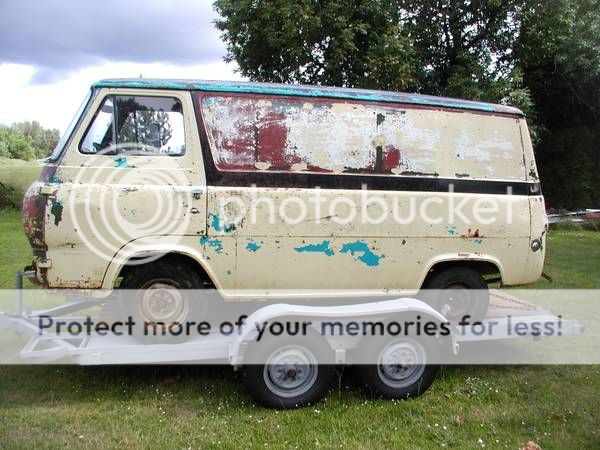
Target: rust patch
(471,234)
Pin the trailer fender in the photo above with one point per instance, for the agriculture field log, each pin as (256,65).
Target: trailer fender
(249,330)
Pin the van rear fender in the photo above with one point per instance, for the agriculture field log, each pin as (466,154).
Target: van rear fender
(484,264)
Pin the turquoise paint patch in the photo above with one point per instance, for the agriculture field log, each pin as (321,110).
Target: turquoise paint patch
(54,180)
(323,247)
(214,243)
(217,223)
(121,162)
(478,241)
(451,231)
(367,256)
(253,246)
(209,101)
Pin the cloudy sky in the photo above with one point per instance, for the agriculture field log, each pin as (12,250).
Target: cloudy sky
(52,50)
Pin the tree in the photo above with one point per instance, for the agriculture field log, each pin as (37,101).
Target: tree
(462,48)
(27,140)
(558,54)
(43,140)
(331,42)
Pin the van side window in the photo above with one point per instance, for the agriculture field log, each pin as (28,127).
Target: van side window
(136,126)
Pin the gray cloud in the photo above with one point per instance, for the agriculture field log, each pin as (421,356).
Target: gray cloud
(58,36)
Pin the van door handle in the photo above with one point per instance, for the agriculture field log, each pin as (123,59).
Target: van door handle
(194,211)
(196,191)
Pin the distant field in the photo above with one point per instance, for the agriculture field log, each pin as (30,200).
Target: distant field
(18,174)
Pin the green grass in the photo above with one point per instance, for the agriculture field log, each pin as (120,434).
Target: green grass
(199,407)
(573,260)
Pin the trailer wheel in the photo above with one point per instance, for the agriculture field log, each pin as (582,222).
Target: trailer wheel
(401,371)
(293,374)
(463,290)
(163,297)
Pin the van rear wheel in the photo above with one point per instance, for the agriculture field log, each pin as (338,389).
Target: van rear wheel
(460,292)
(163,298)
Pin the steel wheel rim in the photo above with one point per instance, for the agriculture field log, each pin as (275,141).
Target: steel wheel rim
(401,363)
(290,371)
(162,302)
(459,299)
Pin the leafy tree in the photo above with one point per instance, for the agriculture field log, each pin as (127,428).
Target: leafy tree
(27,140)
(558,53)
(43,140)
(540,55)
(334,42)
(462,48)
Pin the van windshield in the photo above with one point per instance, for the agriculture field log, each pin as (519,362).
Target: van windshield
(69,131)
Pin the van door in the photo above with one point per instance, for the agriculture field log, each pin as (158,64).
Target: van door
(131,184)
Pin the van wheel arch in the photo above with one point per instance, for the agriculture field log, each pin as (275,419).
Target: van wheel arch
(177,257)
(483,267)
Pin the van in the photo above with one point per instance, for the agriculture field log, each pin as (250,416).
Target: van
(266,191)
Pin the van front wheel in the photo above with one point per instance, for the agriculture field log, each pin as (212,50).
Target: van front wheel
(162,298)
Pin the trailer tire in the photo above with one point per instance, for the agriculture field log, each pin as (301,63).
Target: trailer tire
(396,381)
(171,282)
(465,287)
(299,380)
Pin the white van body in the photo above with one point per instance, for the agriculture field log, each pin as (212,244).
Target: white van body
(329,179)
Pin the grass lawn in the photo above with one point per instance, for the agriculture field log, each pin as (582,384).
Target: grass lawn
(199,407)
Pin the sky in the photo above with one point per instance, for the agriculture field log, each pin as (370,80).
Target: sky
(51,51)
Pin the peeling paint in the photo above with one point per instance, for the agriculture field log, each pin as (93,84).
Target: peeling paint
(121,162)
(214,243)
(252,246)
(56,209)
(55,180)
(218,225)
(451,231)
(323,247)
(367,256)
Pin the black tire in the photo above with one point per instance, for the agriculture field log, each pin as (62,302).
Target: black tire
(462,288)
(265,383)
(179,283)
(395,381)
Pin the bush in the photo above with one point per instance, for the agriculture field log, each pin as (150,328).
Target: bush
(9,197)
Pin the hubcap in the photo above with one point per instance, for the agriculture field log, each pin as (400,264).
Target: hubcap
(401,363)
(290,371)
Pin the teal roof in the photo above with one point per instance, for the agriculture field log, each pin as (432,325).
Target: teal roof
(306,91)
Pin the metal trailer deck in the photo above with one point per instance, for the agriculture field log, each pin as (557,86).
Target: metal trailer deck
(110,349)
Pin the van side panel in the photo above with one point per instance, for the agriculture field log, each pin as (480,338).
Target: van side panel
(407,157)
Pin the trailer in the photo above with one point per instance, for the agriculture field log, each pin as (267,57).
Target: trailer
(286,373)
